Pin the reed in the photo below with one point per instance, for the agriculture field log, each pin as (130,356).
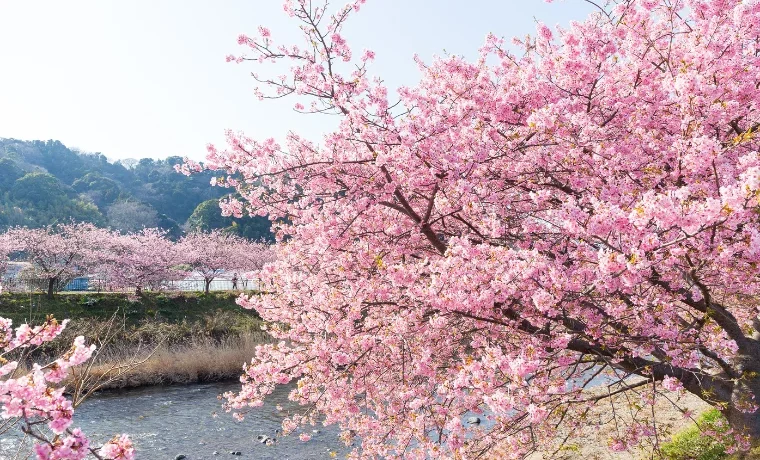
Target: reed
(201,359)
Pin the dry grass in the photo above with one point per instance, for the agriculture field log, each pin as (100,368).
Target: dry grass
(152,352)
(199,360)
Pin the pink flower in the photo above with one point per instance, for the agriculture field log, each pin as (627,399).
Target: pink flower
(672,384)
(511,214)
(545,32)
(368,55)
(618,446)
(118,448)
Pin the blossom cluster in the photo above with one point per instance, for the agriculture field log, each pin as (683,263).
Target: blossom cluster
(577,209)
(31,398)
(144,259)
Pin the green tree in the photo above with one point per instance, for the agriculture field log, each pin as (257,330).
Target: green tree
(102,190)
(9,173)
(37,189)
(207,217)
(65,184)
(45,201)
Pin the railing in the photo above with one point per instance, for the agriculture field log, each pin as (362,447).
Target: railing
(216,285)
(85,284)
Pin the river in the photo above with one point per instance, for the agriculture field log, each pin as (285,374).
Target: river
(168,421)
(165,422)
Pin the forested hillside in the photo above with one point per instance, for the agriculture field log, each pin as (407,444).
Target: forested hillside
(44,182)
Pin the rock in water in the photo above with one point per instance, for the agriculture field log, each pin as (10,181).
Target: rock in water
(180,457)
(266,440)
(473,420)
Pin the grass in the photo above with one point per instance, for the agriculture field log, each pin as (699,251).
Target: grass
(692,444)
(201,360)
(151,319)
(169,308)
(154,339)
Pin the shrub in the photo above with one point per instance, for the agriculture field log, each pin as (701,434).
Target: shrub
(693,444)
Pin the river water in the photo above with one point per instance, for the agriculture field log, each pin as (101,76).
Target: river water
(168,421)
(165,422)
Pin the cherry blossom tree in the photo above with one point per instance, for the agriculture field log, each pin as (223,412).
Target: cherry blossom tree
(139,260)
(6,248)
(252,258)
(36,403)
(212,253)
(58,253)
(512,228)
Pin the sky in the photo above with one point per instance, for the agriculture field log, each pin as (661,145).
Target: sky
(148,78)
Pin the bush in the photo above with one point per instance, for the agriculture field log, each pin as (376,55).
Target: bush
(693,444)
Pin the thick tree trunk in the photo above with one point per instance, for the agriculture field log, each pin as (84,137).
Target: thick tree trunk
(746,393)
(51,287)
(138,290)
(208,285)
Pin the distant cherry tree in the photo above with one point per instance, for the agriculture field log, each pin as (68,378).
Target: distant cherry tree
(140,260)
(211,254)
(510,228)
(6,248)
(35,400)
(58,253)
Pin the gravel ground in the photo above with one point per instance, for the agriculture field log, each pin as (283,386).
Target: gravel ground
(592,443)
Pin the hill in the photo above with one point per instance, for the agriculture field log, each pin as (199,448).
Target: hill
(45,182)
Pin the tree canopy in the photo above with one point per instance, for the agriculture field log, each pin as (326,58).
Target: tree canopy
(512,228)
(207,217)
(44,183)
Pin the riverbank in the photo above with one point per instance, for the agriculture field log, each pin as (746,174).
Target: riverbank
(154,339)
(202,360)
(185,338)
(606,420)
(167,307)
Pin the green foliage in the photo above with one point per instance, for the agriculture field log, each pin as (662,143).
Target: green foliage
(44,182)
(207,216)
(255,228)
(155,317)
(37,188)
(9,173)
(693,444)
(38,199)
(102,190)
(168,307)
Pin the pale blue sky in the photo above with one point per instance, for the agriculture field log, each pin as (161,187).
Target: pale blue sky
(148,78)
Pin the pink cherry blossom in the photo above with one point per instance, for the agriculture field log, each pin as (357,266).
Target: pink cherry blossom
(211,254)
(59,252)
(500,234)
(118,448)
(145,259)
(34,398)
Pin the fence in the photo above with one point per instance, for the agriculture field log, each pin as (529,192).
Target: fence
(216,285)
(92,284)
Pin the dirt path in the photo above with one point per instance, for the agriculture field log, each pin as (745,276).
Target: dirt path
(594,440)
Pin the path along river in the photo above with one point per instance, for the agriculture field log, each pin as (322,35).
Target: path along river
(178,420)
